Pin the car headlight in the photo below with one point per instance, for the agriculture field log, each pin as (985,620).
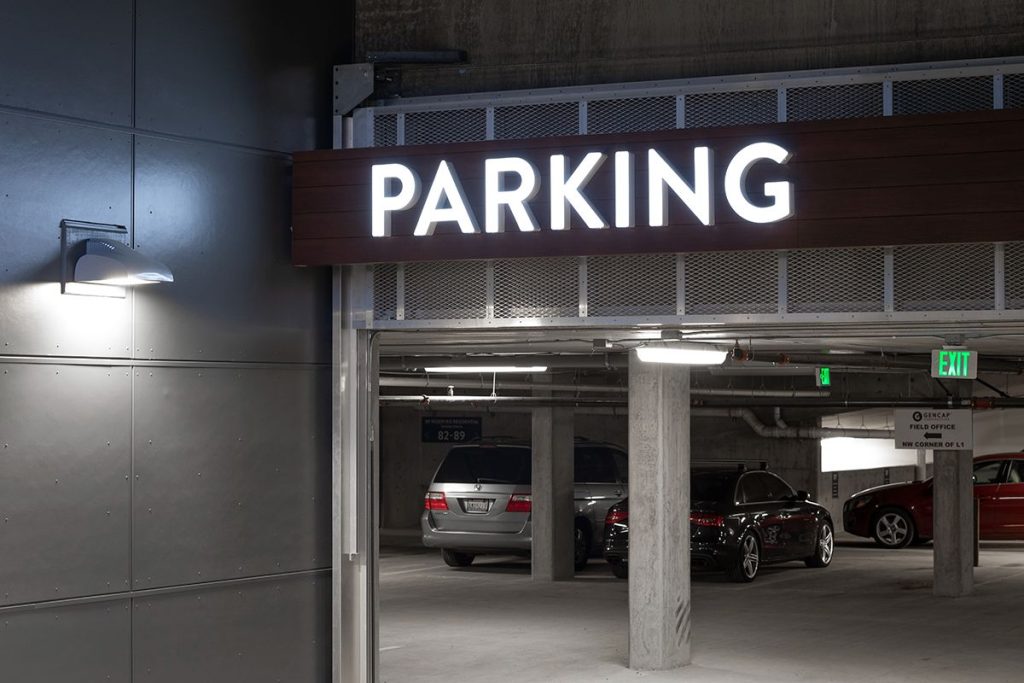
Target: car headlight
(858,503)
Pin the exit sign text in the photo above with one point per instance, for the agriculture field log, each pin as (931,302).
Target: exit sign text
(954,364)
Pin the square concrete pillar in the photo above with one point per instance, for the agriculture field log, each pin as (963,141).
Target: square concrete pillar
(553,499)
(659,515)
(953,520)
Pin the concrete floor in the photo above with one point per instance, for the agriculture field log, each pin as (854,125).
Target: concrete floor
(868,617)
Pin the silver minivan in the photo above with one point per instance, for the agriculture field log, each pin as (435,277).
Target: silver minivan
(479,500)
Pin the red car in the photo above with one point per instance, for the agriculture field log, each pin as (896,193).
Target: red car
(897,515)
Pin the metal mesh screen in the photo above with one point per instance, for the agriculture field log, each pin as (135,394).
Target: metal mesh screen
(385,291)
(536,120)
(732,282)
(446,290)
(536,288)
(631,115)
(836,280)
(385,130)
(940,95)
(631,285)
(731,108)
(448,125)
(1013,91)
(944,277)
(845,101)
(1013,268)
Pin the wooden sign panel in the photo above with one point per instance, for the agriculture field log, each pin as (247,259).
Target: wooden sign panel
(860,182)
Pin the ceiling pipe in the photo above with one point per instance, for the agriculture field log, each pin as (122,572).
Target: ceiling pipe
(484,384)
(787,432)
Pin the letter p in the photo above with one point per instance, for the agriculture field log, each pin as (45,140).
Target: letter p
(384,177)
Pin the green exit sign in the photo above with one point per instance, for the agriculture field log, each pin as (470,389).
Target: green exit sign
(954,363)
(824,377)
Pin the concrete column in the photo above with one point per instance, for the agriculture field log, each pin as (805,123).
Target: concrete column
(354,553)
(659,515)
(552,488)
(921,471)
(953,518)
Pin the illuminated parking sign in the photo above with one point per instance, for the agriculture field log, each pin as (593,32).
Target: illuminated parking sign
(954,363)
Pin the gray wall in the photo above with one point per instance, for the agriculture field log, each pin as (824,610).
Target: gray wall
(407,464)
(154,447)
(549,43)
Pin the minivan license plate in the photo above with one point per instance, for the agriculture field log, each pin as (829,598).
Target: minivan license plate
(477,505)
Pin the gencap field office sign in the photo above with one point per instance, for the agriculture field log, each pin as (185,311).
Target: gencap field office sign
(862,182)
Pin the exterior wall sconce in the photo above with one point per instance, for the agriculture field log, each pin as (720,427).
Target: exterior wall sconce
(96,260)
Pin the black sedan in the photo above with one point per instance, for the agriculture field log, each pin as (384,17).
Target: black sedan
(739,520)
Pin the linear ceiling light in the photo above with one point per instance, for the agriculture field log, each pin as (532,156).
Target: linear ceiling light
(682,355)
(488,369)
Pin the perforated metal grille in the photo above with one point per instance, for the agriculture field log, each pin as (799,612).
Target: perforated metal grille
(1013,268)
(453,125)
(939,95)
(536,288)
(1013,91)
(445,290)
(835,280)
(536,120)
(731,108)
(385,130)
(631,285)
(385,291)
(631,115)
(732,282)
(944,277)
(846,101)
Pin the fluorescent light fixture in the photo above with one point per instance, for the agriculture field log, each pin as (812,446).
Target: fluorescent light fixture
(682,355)
(488,369)
(96,260)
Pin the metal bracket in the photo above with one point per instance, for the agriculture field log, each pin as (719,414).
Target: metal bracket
(353,83)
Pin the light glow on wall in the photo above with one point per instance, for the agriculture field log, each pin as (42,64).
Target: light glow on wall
(841,454)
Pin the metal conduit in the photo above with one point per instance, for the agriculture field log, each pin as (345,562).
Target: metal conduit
(787,432)
(484,384)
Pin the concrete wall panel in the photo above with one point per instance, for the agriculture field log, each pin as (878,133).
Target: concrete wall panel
(50,171)
(232,473)
(64,481)
(255,74)
(68,58)
(259,633)
(67,643)
(219,219)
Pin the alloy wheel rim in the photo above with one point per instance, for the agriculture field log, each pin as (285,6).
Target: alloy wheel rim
(892,528)
(750,557)
(825,545)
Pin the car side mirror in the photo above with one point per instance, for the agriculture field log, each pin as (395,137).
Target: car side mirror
(803,496)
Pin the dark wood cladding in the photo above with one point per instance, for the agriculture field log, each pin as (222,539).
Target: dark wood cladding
(861,182)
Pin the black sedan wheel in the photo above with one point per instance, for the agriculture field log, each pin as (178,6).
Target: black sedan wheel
(581,548)
(823,547)
(893,528)
(748,560)
(455,559)
(620,569)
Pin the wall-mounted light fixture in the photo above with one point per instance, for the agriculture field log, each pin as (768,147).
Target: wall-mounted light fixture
(96,260)
(679,354)
(486,369)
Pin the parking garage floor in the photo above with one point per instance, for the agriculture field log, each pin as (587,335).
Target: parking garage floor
(869,617)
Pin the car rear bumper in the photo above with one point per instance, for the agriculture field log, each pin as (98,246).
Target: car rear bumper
(476,541)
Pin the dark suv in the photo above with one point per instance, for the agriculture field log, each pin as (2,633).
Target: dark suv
(739,520)
(479,501)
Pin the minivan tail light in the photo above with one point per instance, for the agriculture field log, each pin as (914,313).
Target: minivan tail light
(519,502)
(616,516)
(435,500)
(706,519)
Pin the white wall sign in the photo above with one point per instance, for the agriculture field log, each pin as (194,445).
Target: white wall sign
(944,428)
(512,182)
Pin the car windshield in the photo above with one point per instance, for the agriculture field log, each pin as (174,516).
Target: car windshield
(485,465)
(711,488)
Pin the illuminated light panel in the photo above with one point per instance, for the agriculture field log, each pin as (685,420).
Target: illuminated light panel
(452,369)
(681,355)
